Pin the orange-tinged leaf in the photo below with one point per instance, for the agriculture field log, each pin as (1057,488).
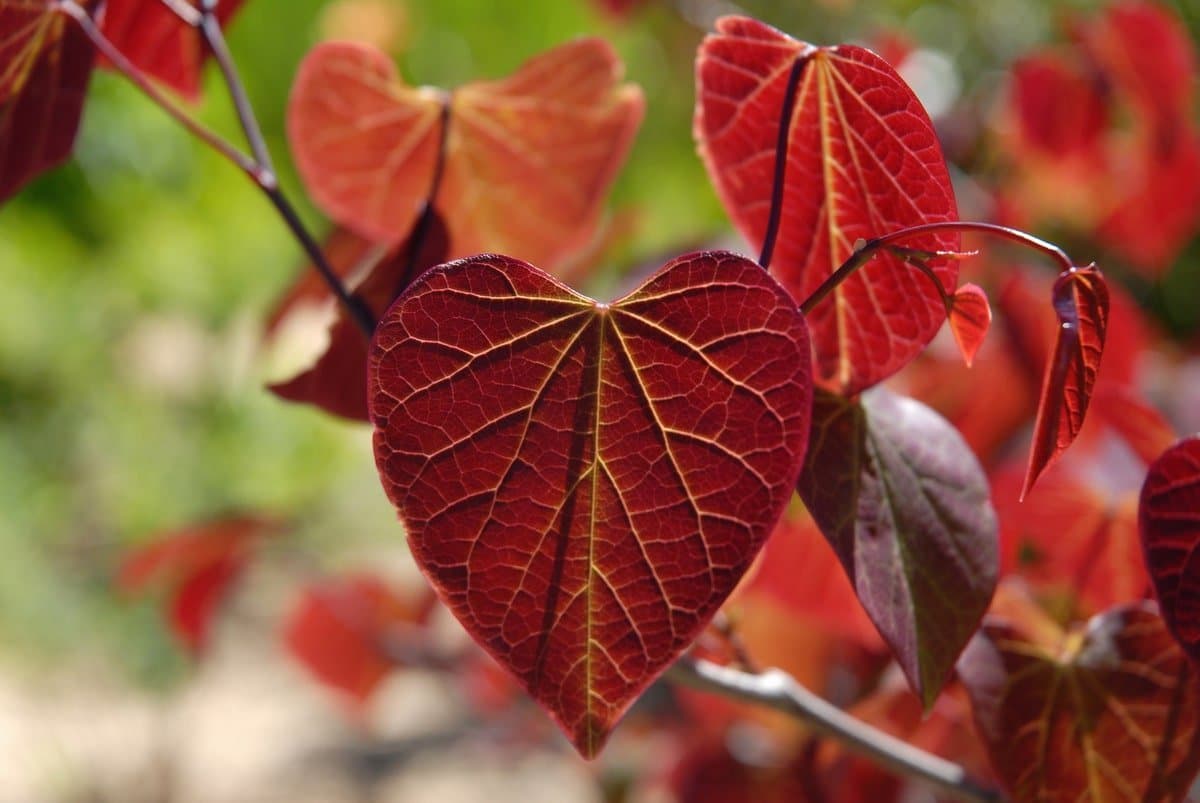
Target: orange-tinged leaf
(905,506)
(585,483)
(528,158)
(45,65)
(197,565)
(1169,522)
(970,317)
(158,42)
(863,160)
(1112,714)
(1080,299)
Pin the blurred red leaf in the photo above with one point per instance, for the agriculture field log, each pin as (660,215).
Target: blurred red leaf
(863,161)
(888,480)
(1128,413)
(1111,713)
(800,571)
(709,773)
(197,565)
(337,382)
(528,158)
(347,253)
(970,317)
(1061,106)
(1169,521)
(1080,299)
(339,630)
(45,65)
(159,43)
(1076,545)
(624,462)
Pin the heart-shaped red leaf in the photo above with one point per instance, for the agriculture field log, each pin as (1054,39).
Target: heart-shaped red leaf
(585,483)
(1110,713)
(528,159)
(905,505)
(863,160)
(1080,299)
(1169,521)
(159,43)
(45,64)
(337,382)
(970,317)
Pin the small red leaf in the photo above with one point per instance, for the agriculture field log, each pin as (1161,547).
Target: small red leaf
(198,565)
(528,159)
(337,382)
(45,65)
(585,483)
(158,42)
(970,317)
(338,631)
(863,160)
(1080,299)
(1111,713)
(1169,522)
(905,505)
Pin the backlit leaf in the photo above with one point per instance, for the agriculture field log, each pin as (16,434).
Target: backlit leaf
(45,64)
(1060,107)
(970,317)
(337,382)
(339,630)
(905,505)
(1109,714)
(863,160)
(1080,299)
(585,483)
(197,565)
(528,158)
(1139,424)
(159,43)
(1169,521)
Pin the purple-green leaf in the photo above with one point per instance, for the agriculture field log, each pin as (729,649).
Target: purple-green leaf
(905,504)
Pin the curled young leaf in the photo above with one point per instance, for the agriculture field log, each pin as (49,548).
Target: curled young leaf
(1169,522)
(862,161)
(584,483)
(45,65)
(905,505)
(1110,713)
(970,317)
(527,159)
(1080,299)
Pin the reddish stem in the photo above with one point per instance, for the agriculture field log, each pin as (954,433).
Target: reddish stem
(869,249)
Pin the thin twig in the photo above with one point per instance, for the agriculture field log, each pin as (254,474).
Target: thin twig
(869,249)
(214,37)
(189,14)
(177,112)
(420,231)
(257,167)
(776,689)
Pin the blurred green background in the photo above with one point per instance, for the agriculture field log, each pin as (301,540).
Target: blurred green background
(135,281)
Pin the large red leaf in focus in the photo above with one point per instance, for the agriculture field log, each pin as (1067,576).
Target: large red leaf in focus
(337,382)
(45,64)
(1110,713)
(905,505)
(197,565)
(585,483)
(863,160)
(1080,299)
(528,158)
(159,43)
(340,631)
(1169,521)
